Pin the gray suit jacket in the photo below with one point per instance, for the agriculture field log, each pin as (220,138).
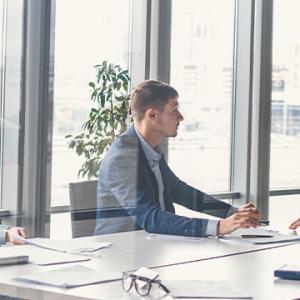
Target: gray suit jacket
(127,194)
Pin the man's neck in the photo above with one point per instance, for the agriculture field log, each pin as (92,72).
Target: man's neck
(150,136)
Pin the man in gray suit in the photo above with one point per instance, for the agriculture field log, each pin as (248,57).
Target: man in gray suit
(136,187)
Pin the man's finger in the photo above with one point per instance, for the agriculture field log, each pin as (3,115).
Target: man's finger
(246,224)
(246,215)
(248,205)
(249,213)
(250,210)
(22,232)
(253,222)
(295,224)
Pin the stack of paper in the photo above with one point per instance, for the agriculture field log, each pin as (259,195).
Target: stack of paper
(193,289)
(196,289)
(42,257)
(13,260)
(70,277)
(42,251)
(260,236)
(89,248)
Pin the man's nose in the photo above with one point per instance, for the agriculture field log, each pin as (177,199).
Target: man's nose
(180,116)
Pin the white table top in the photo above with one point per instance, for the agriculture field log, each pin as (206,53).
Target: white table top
(252,271)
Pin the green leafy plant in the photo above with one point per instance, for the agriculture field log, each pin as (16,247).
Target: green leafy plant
(107,118)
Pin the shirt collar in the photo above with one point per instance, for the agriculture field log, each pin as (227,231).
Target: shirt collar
(152,155)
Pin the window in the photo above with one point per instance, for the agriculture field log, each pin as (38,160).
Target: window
(11,30)
(284,210)
(285,131)
(85,35)
(201,70)
(205,51)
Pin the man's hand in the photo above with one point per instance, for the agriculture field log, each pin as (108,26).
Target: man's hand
(246,216)
(295,224)
(13,232)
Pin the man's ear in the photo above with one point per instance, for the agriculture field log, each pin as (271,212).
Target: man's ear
(151,114)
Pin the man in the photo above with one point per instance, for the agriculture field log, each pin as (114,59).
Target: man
(136,188)
(8,234)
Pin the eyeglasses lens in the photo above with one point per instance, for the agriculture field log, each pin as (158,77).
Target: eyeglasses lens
(142,287)
(127,282)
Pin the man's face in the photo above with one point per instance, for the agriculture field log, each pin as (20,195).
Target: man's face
(168,120)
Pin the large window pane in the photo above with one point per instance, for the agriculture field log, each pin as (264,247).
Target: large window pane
(86,33)
(285,136)
(284,210)
(11,30)
(201,70)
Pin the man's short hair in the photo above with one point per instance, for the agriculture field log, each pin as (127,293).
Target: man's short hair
(150,93)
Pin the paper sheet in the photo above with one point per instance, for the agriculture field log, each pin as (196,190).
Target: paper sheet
(70,277)
(260,236)
(42,257)
(74,246)
(145,272)
(198,289)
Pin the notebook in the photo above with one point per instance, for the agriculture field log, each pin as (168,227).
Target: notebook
(13,260)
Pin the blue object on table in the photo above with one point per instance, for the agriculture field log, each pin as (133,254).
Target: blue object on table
(288,272)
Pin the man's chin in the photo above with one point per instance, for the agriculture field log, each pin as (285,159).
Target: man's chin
(171,134)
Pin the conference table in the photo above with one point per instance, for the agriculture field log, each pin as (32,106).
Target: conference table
(244,265)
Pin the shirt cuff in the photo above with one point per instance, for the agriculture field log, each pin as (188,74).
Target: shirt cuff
(211,229)
(3,234)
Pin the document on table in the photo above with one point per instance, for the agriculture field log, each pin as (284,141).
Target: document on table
(74,246)
(260,236)
(13,260)
(42,257)
(70,277)
(198,289)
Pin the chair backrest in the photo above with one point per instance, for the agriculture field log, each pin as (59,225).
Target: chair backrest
(83,200)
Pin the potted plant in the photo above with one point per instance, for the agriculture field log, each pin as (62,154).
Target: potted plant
(107,119)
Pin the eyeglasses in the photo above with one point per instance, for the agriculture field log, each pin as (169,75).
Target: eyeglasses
(141,284)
